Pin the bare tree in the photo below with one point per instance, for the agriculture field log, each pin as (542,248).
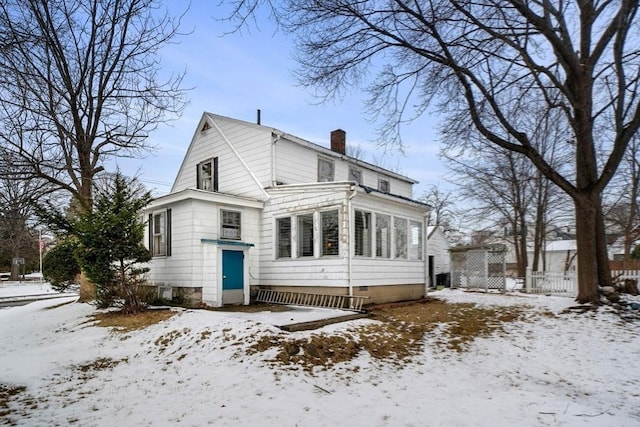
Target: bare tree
(503,186)
(80,83)
(581,57)
(442,205)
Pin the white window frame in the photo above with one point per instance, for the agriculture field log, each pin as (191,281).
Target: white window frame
(326,175)
(159,231)
(230,230)
(205,180)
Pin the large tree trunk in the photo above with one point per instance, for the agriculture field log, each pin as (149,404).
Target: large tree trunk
(523,261)
(587,230)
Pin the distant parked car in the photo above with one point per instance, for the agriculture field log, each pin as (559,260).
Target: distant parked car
(4,276)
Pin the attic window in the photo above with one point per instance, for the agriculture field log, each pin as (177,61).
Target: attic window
(325,170)
(205,127)
(383,185)
(355,175)
(207,175)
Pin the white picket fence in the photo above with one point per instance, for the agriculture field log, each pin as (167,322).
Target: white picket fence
(565,284)
(551,283)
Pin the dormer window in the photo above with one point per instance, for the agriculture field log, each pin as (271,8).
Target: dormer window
(207,175)
(355,175)
(383,185)
(325,170)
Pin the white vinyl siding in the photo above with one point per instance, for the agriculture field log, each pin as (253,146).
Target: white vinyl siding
(193,263)
(297,164)
(238,168)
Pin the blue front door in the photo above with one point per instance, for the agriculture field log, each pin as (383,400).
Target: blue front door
(232,270)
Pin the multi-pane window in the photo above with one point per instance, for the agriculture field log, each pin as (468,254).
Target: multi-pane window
(230,225)
(329,237)
(383,236)
(400,237)
(355,175)
(160,233)
(383,185)
(207,175)
(415,240)
(325,170)
(305,235)
(283,233)
(362,233)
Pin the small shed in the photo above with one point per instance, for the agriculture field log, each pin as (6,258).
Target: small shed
(438,252)
(478,266)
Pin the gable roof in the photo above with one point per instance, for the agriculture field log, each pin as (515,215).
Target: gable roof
(316,147)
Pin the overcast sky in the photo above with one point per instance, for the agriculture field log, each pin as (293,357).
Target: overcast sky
(236,74)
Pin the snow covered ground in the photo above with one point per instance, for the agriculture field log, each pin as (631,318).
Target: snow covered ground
(19,289)
(193,370)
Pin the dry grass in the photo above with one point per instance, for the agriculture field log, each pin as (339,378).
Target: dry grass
(131,322)
(397,336)
(9,395)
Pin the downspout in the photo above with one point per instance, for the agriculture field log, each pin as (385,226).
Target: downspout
(354,191)
(426,254)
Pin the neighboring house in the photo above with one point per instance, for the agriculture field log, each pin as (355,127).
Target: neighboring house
(438,253)
(254,207)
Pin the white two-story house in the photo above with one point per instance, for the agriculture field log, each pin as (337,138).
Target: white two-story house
(253,207)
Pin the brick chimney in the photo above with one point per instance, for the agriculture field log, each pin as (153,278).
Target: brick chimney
(339,141)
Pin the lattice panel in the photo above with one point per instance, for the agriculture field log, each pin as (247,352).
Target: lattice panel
(478,268)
